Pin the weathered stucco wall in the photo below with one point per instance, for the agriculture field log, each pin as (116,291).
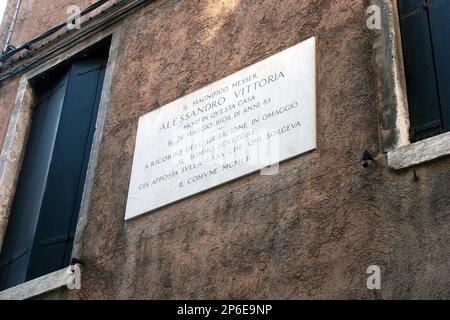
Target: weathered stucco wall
(8,93)
(309,232)
(36,17)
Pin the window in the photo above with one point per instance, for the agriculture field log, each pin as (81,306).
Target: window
(425,32)
(44,213)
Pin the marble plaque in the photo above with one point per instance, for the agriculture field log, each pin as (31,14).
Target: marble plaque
(248,121)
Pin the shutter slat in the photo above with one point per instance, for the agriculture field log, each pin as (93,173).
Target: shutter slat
(410,5)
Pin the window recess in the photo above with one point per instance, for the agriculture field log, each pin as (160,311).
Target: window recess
(44,214)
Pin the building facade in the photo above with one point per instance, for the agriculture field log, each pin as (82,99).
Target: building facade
(373,192)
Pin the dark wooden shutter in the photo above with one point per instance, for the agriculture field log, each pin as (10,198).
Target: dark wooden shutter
(54,185)
(439,12)
(425,35)
(60,207)
(24,215)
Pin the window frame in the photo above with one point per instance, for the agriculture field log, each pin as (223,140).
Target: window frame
(392,101)
(13,150)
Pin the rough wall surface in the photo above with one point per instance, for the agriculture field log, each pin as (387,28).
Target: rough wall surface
(8,93)
(36,17)
(309,232)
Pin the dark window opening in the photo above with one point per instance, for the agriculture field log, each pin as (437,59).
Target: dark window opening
(40,233)
(425,31)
